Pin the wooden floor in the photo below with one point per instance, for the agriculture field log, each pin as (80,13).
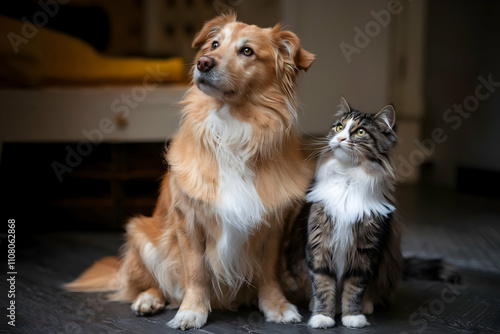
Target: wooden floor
(462,229)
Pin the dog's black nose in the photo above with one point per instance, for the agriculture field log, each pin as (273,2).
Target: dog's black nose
(205,63)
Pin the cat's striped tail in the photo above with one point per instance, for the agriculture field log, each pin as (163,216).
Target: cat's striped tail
(429,269)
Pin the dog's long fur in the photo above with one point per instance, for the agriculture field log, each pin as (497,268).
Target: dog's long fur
(236,181)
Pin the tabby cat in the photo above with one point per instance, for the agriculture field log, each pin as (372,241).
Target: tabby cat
(353,242)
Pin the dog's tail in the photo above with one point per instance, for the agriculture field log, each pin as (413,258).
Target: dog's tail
(429,269)
(101,276)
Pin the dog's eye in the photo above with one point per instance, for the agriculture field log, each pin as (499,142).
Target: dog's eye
(215,45)
(247,51)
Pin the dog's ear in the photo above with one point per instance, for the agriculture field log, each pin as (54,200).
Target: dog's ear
(212,27)
(289,44)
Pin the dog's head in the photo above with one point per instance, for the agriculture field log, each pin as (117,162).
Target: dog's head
(236,59)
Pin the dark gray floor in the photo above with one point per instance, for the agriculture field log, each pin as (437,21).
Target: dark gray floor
(462,229)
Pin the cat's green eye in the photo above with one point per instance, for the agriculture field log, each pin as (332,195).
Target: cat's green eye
(361,132)
(338,128)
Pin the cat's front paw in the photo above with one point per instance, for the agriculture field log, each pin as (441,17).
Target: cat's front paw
(321,321)
(355,321)
(188,319)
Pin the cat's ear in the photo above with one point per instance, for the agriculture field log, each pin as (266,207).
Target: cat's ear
(387,115)
(344,105)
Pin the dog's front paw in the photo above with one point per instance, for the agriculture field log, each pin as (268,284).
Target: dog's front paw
(188,319)
(355,321)
(146,304)
(284,313)
(367,307)
(321,321)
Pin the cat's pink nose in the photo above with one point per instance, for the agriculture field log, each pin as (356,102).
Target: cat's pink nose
(341,139)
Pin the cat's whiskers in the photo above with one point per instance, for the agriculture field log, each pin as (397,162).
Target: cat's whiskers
(352,147)
(317,154)
(315,143)
(349,147)
(318,146)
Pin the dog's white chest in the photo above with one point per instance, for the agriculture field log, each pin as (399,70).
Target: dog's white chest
(238,202)
(239,208)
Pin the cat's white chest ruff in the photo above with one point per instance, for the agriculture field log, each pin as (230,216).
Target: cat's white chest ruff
(348,195)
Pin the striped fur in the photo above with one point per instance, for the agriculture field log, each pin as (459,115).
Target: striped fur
(353,247)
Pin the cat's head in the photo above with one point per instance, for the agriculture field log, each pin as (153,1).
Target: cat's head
(359,138)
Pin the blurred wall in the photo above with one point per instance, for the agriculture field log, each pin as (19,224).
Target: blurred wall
(170,26)
(463,47)
(371,52)
(322,26)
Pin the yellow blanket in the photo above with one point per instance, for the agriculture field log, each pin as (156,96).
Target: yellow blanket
(30,55)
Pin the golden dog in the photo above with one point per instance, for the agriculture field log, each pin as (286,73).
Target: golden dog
(236,182)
